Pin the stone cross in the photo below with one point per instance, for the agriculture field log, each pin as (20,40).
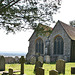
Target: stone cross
(10,71)
(53,72)
(39,71)
(22,61)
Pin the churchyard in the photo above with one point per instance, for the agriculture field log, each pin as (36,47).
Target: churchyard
(29,69)
(57,68)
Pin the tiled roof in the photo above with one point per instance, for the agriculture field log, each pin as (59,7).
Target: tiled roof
(44,31)
(69,30)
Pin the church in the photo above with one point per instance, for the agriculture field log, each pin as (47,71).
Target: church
(59,44)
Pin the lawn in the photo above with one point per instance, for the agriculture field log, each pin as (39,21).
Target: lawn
(29,69)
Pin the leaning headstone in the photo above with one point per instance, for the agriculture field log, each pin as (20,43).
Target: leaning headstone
(37,65)
(53,72)
(2,63)
(40,58)
(39,71)
(22,61)
(33,60)
(47,59)
(60,66)
(72,70)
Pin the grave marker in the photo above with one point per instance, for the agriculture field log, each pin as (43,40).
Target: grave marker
(33,60)
(72,70)
(37,65)
(2,63)
(60,66)
(47,59)
(39,71)
(53,72)
(10,71)
(40,58)
(22,61)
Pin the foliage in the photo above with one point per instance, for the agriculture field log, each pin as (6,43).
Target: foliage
(30,68)
(26,14)
(72,23)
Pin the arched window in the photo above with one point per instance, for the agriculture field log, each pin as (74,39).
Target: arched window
(58,45)
(39,46)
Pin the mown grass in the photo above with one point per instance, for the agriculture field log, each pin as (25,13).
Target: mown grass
(29,69)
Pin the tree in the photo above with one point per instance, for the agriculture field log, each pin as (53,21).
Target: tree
(72,23)
(25,14)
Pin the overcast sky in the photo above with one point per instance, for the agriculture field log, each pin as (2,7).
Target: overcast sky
(19,41)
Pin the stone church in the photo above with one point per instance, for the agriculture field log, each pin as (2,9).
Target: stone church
(59,44)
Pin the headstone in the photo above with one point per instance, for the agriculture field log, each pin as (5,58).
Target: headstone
(5,73)
(53,72)
(72,70)
(10,71)
(2,63)
(16,59)
(37,65)
(22,61)
(33,60)
(39,71)
(60,66)
(40,58)
(47,59)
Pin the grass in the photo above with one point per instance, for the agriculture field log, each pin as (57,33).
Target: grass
(29,69)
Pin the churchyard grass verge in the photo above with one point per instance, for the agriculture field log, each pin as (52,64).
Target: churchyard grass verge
(29,69)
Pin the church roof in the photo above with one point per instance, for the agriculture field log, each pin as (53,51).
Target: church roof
(45,30)
(69,30)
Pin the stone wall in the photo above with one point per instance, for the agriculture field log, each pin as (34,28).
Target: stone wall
(59,31)
(11,60)
(31,48)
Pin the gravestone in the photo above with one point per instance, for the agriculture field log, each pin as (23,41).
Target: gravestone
(22,61)
(72,70)
(40,58)
(16,59)
(39,71)
(47,59)
(2,63)
(60,66)
(53,72)
(33,60)
(10,71)
(5,73)
(37,65)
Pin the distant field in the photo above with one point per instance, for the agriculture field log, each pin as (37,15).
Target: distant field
(29,69)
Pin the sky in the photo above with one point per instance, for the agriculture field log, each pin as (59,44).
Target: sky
(19,42)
